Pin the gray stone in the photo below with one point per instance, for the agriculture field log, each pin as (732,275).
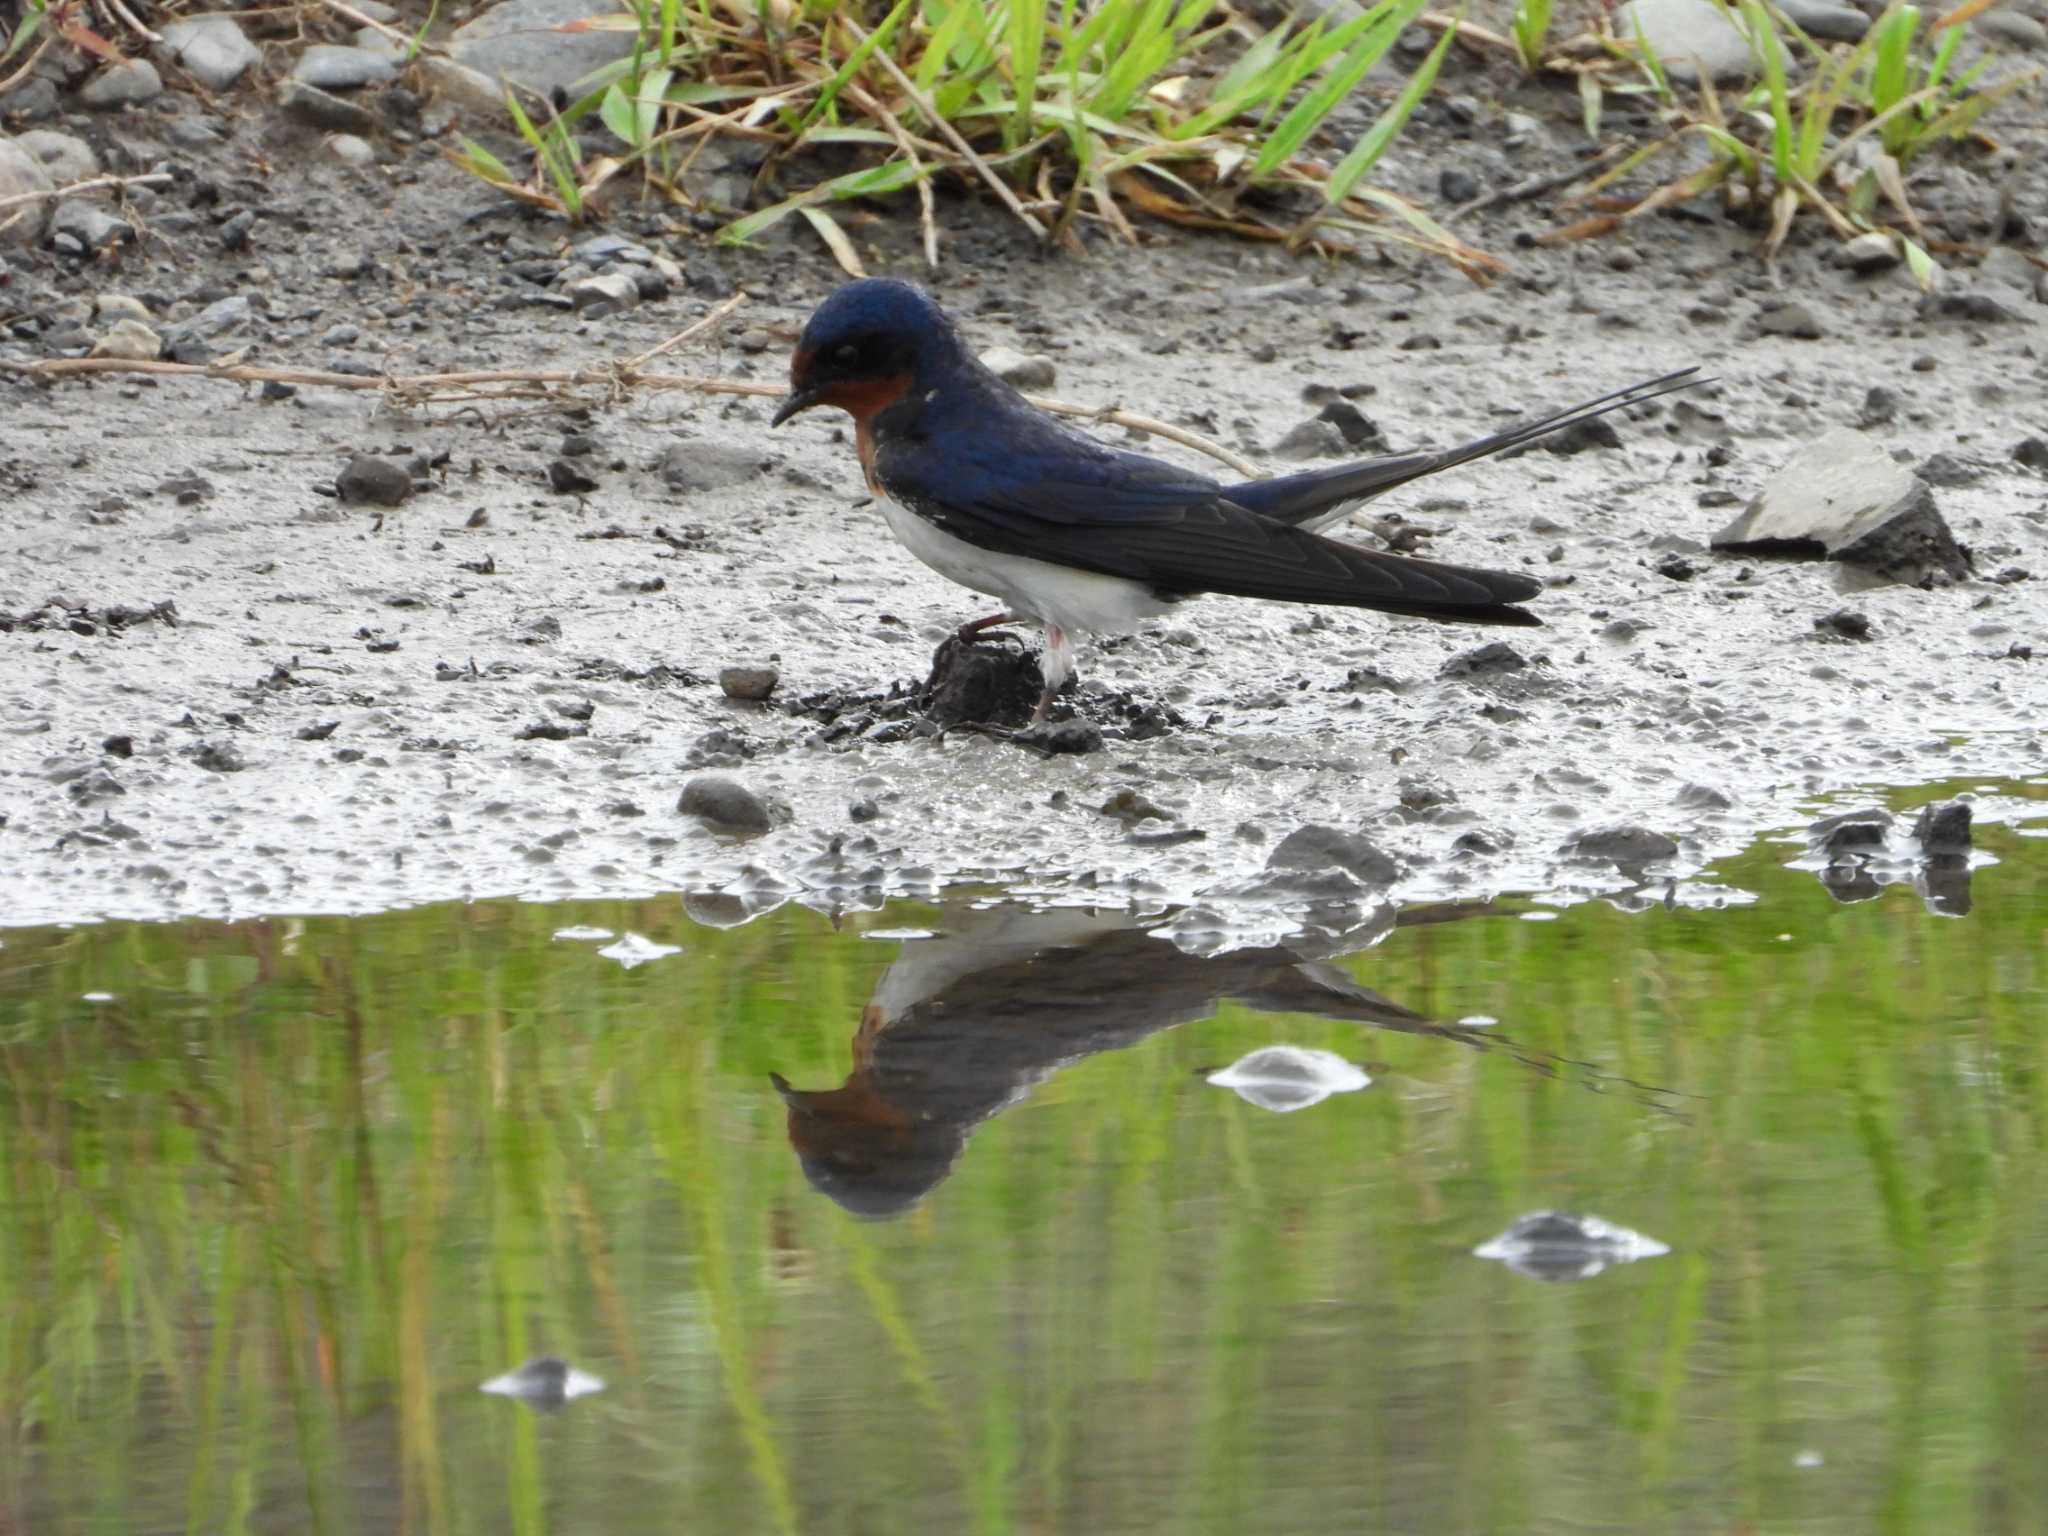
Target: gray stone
(1790,318)
(1851,834)
(1018,369)
(699,466)
(752,682)
(461,86)
(20,174)
(89,224)
(1844,498)
(332,67)
(1313,849)
(608,293)
(1828,19)
(369,478)
(1943,829)
(131,340)
(1312,439)
(33,101)
(189,341)
(1691,37)
(517,42)
(1871,253)
(316,108)
(128,83)
(351,150)
(376,10)
(1627,847)
(2013,29)
(67,159)
(211,49)
(724,805)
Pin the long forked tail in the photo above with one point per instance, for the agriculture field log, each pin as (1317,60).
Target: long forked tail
(1317,498)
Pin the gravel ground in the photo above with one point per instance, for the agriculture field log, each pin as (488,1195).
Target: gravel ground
(225,689)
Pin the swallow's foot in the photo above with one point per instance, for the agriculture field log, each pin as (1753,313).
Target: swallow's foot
(970,632)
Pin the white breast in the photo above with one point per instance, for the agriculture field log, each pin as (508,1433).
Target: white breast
(1080,602)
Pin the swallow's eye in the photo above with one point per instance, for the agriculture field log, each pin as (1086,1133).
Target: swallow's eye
(846,354)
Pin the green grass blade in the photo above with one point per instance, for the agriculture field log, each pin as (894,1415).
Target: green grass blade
(1314,109)
(1365,154)
(1770,53)
(883,31)
(1027,48)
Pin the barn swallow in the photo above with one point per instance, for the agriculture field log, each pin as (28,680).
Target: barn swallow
(1083,538)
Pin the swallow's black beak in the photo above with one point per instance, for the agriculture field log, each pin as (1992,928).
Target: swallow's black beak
(797,400)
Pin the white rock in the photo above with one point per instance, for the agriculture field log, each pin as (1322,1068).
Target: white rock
(635,949)
(1874,252)
(119,306)
(1690,37)
(20,173)
(1022,370)
(517,41)
(128,83)
(608,293)
(351,150)
(66,158)
(331,67)
(1284,1078)
(131,340)
(211,49)
(1557,1245)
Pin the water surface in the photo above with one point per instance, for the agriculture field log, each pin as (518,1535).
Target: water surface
(869,1232)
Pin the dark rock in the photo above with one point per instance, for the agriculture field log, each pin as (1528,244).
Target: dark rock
(1360,432)
(1456,187)
(1064,738)
(316,108)
(568,480)
(1626,847)
(1844,498)
(1584,437)
(749,682)
(1131,808)
(1852,833)
(369,478)
(1844,623)
(1316,438)
(234,233)
(2031,453)
(981,683)
(1703,797)
(1943,829)
(1967,304)
(724,805)
(1947,469)
(219,757)
(1880,405)
(1677,567)
(1312,849)
(1489,660)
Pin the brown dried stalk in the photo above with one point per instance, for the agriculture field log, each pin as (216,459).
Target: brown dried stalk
(614,380)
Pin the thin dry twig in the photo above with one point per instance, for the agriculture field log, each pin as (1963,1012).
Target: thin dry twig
(1536,186)
(134,23)
(1000,187)
(155,178)
(21,74)
(687,333)
(613,378)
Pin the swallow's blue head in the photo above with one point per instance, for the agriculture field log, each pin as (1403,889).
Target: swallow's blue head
(863,346)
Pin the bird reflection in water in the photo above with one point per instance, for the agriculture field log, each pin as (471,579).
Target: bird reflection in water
(966,1024)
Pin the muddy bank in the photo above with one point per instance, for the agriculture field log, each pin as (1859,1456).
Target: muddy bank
(226,689)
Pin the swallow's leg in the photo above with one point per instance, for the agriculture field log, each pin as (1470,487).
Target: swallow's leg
(1058,667)
(970,632)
